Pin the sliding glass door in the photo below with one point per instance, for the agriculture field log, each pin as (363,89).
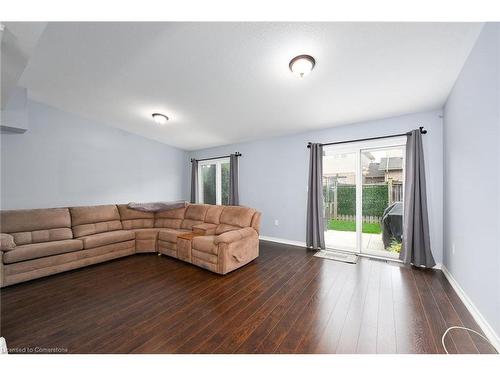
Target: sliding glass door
(363,185)
(339,194)
(382,196)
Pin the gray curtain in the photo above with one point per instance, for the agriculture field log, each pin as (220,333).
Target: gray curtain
(416,248)
(194,180)
(315,235)
(234,197)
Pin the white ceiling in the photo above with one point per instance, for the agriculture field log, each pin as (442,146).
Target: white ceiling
(223,83)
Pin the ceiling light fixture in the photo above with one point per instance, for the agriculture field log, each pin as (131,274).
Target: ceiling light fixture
(160,119)
(302,65)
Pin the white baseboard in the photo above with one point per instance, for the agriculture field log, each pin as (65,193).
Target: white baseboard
(479,318)
(283,241)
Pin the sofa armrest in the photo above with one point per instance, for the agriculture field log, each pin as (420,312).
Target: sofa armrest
(235,235)
(7,242)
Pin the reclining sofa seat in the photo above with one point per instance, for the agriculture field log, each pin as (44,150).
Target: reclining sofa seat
(230,243)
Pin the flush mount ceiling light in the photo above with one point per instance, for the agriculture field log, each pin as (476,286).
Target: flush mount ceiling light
(160,119)
(302,65)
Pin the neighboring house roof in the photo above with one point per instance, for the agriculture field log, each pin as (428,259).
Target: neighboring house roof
(390,164)
(374,171)
(377,170)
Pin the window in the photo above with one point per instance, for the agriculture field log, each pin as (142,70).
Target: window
(213,181)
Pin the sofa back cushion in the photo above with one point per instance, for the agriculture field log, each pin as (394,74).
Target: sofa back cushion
(170,218)
(135,219)
(37,225)
(237,215)
(213,214)
(234,217)
(90,220)
(195,214)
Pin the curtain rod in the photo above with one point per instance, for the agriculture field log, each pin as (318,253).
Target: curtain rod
(422,131)
(216,157)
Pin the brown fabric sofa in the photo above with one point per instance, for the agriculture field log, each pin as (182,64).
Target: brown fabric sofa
(40,242)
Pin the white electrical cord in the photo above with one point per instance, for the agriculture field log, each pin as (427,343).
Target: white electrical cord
(465,329)
(3,346)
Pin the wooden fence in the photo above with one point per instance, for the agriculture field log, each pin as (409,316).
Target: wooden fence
(366,219)
(395,192)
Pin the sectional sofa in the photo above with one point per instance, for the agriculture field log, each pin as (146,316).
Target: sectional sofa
(41,242)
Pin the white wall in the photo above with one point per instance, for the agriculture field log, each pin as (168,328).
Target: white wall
(65,160)
(274,172)
(15,114)
(472,177)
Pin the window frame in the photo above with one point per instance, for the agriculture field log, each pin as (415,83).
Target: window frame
(218,178)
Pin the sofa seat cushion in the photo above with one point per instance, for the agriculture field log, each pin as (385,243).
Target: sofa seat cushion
(205,244)
(170,235)
(56,261)
(146,233)
(106,238)
(40,250)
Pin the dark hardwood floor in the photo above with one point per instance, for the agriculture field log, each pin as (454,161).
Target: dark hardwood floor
(287,301)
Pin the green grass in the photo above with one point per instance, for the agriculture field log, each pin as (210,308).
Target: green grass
(350,226)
